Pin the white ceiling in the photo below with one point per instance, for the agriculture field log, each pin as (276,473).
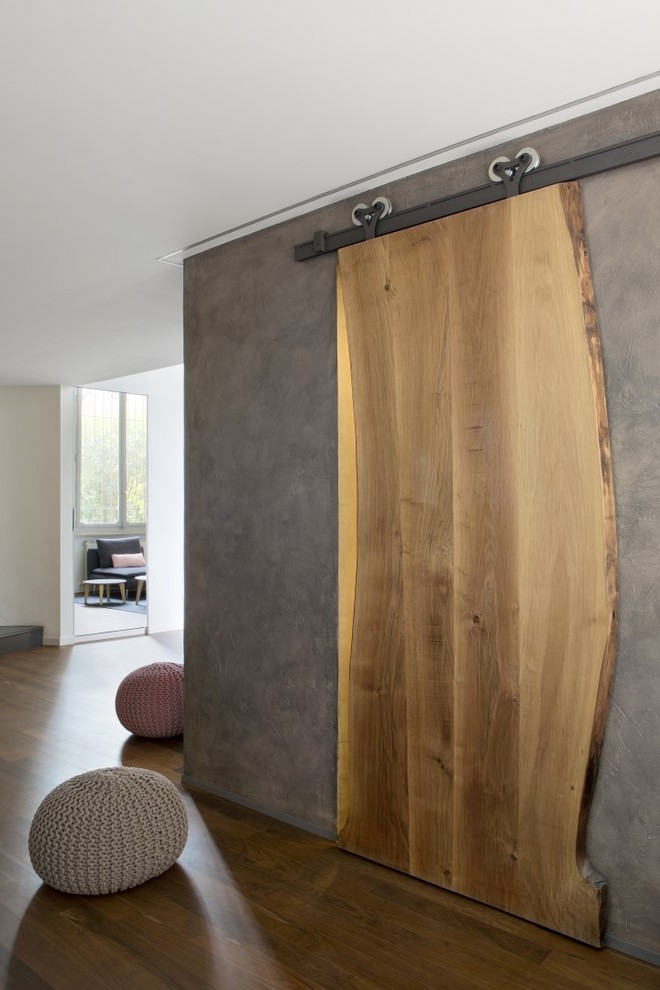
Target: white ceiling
(131,129)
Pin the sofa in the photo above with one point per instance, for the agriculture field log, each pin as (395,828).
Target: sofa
(101,565)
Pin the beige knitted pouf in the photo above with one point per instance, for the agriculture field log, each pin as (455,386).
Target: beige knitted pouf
(107,830)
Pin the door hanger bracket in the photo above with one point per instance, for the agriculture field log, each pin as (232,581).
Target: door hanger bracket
(511,171)
(367,217)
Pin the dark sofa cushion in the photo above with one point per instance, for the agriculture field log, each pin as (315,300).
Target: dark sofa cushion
(123,544)
(117,572)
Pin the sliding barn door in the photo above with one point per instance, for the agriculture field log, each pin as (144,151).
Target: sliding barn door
(477,556)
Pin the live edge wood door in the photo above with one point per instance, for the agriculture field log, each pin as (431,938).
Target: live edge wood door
(477,556)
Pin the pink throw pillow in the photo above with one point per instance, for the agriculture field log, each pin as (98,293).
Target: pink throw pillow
(128,560)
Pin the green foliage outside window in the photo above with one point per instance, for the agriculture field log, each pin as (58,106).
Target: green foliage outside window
(112,458)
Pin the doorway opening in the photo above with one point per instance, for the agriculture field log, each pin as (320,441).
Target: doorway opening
(110,514)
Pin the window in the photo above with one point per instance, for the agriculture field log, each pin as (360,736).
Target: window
(111,459)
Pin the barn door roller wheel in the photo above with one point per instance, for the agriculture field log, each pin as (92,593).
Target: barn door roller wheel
(510,171)
(368,216)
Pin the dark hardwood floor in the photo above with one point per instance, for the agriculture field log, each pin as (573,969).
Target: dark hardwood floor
(252,903)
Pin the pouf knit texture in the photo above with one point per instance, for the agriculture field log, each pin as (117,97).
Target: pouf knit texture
(107,830)
(149,700)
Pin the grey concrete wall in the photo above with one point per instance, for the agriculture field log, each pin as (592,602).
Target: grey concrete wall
(622,219)
(261,520)
(261,508)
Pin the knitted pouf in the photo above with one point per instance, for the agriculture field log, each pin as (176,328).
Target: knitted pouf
(149,700)
(107,830)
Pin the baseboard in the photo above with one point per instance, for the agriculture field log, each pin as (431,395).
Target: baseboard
(59,640)
(117,634)
(260,808)
(632,950)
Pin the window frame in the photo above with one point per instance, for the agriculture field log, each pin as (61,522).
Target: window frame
(122,526)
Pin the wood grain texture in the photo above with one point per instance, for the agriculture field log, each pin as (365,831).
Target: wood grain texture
(483,605)
(347,553)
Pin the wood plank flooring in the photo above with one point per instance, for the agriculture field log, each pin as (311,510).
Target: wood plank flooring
(253,904)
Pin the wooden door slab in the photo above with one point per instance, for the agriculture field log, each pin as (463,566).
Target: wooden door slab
(477,556)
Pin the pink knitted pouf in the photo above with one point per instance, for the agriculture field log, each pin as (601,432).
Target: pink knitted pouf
(149,700)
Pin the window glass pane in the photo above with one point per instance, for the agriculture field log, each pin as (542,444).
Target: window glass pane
(99,457)
(136,459)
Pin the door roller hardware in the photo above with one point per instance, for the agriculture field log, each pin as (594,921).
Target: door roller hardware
(509,177)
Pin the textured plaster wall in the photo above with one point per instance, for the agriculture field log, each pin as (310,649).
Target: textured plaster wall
(261,521)
(261,507)
(622,218)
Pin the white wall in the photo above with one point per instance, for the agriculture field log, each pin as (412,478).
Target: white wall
(165,491)
(67,501)
(30,508)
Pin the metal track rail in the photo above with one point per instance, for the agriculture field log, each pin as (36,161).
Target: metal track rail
(580,167)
